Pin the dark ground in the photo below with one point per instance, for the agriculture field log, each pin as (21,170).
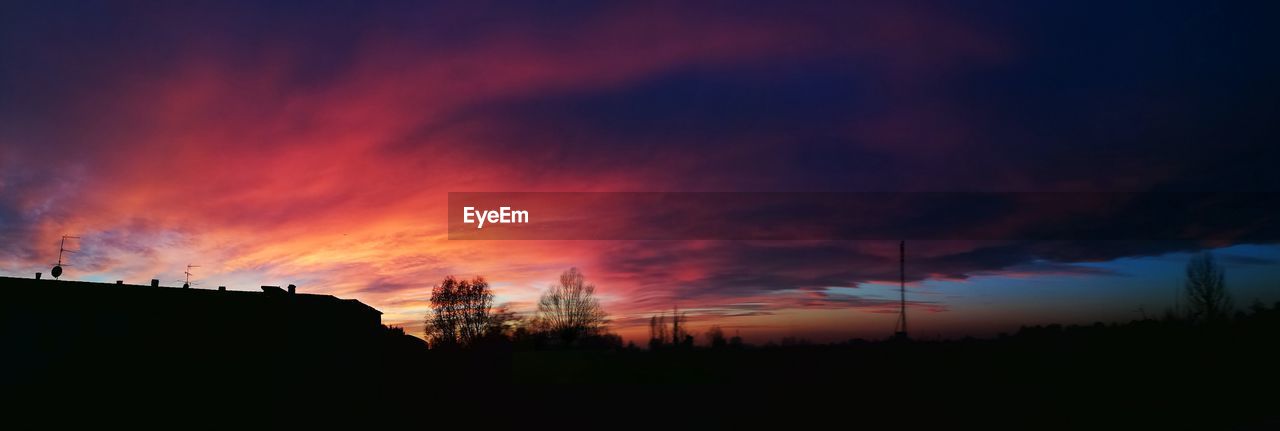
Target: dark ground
(1141,375)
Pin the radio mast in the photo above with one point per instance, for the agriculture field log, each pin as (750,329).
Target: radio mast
(901,330)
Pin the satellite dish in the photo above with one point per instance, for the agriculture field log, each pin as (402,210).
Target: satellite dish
(62,248)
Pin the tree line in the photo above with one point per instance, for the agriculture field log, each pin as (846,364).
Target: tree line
(568,313)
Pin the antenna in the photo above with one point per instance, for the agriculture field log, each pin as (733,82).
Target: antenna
(901,329)
(62,248)
(186,283)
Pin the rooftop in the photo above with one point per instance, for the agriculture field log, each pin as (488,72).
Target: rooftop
(11,285)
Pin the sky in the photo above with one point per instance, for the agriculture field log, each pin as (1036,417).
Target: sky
(315,143)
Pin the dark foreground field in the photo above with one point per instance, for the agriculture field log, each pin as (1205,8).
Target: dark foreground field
(1142,375)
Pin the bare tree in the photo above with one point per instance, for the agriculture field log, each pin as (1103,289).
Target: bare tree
(1206,289)
(657,330)
(461,312)
(680,335)
(676,335)
(569,308)
(715,337)
(736,341)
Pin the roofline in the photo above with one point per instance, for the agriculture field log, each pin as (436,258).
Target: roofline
(80,283)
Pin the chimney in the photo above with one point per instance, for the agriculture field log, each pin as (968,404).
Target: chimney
(155,283)
(222,288)
(37,276)
(292,289)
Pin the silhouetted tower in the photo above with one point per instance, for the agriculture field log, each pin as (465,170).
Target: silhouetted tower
(62,248)
(901,330)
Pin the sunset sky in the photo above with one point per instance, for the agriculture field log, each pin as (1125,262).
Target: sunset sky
(315,143)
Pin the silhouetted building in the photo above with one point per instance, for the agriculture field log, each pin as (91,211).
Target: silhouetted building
(57,330)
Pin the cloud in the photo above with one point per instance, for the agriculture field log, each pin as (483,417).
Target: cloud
(315,145)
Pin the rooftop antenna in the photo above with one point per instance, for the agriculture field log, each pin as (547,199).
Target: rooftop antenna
(187,282)
(62,248)
(900,332)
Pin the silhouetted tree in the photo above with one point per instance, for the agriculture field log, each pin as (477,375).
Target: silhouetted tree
(1206,289)
(462,312)
(793,341)
(569,309)
(676,335)
(736,341)
(679,327)
(1258,307)
(503,323)
(657,331)
(715,337)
